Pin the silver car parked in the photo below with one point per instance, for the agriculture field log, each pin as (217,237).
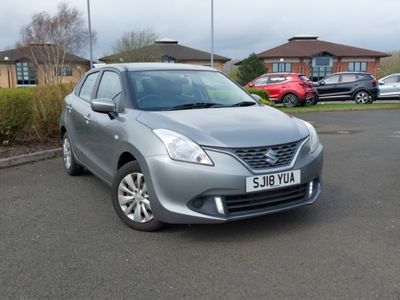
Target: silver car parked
(185,144)
(389,86)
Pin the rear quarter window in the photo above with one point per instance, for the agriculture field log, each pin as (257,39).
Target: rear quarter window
(304,78)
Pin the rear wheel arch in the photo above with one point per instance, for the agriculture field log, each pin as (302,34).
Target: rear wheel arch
(361,90)
(63,130)
(362,96)
(288,92)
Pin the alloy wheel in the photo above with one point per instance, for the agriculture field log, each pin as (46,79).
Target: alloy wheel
(290,100)
(134,199)
(67,153)
(362,97)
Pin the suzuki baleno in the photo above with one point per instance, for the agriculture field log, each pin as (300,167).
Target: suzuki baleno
(185,144)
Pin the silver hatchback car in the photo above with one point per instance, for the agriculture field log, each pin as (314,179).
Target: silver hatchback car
(185,144)
(389,87)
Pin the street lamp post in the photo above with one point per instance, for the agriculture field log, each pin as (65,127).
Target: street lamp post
(212,33)
(90,36)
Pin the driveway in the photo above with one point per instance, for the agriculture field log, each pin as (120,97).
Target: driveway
(60,238)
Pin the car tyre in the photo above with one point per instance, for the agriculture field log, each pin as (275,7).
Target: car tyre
(290,100)
(131,200)
(362,97)
(71,166)
(312,101)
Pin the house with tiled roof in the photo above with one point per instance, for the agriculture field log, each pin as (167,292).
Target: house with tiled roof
(39,64)
(316,58)
(169,51)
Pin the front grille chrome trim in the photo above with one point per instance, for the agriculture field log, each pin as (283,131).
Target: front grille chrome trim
(230,152)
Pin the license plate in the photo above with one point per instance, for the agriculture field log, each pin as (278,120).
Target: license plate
(272,181)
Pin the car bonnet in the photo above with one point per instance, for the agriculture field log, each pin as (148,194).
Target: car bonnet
(229,127)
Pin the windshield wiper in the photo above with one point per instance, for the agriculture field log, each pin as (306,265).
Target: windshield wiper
(197,105)
(244,103)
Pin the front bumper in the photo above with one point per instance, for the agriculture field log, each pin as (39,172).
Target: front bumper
(190,193)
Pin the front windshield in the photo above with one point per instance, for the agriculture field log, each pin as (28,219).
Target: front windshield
(181,89)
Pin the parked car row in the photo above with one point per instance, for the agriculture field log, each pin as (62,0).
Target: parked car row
(292,89)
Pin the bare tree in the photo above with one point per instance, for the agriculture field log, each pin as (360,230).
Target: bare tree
(390,64)
(137,46)
(51,37)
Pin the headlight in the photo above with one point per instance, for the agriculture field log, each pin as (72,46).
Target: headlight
(181,148)
(314,141)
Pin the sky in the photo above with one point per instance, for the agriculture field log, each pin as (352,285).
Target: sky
(241,27)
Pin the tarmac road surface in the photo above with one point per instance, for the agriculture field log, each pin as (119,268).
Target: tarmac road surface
(60,237)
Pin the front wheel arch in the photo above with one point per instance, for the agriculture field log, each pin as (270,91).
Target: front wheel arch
(131,200)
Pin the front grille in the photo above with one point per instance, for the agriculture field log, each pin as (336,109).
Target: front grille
(265,200)
(256,158)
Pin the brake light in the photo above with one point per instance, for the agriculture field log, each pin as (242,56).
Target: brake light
(374,82)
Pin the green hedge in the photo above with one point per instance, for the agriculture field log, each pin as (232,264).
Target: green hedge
(16,113)
(47,104)
(31,113)
(263,94)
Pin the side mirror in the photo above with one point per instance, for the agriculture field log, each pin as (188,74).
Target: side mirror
(250,84)
(257,98)
(105,106)
(381,82)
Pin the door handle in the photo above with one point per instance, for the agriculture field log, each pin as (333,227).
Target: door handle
(87,118)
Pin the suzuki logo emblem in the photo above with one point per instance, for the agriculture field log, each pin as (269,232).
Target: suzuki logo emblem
(271,157)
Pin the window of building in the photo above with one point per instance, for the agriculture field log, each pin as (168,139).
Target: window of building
(168,59)
(358,66)
(26,73)
(63,71)
(321,67)
(281,67)
(87,86)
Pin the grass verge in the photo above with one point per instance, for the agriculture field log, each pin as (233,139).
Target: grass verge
(339,107)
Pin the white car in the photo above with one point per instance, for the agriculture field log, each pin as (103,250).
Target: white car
(389,86)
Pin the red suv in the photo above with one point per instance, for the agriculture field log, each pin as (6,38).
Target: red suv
(289,88)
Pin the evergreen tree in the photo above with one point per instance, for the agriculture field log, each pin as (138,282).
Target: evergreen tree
(251,68)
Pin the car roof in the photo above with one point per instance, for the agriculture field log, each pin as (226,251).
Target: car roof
(155,67)
(393,74)
(282,74)
(339,73)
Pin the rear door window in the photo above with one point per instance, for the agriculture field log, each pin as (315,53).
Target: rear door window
(277,79)
(348,77)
